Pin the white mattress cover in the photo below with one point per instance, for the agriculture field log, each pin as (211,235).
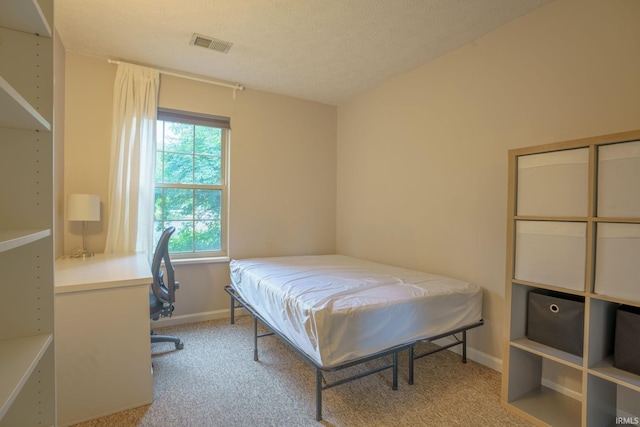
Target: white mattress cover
(336,308)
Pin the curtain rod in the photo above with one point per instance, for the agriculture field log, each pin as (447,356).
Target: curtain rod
(235,87)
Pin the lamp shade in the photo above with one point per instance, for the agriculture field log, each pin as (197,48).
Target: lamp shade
(83,207)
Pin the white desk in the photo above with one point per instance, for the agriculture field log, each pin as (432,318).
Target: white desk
(103,350)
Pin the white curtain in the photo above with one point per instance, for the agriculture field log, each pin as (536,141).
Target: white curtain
(131,175)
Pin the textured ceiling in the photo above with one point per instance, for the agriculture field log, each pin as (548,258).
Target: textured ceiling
(322,50)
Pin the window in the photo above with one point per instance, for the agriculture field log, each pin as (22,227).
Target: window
(191,182)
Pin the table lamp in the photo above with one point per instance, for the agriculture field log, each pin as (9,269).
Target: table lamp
(83,207)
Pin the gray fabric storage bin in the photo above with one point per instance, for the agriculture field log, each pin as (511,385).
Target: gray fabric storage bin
(557,320)
(626,352)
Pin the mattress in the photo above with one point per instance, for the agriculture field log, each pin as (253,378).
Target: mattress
(336,308)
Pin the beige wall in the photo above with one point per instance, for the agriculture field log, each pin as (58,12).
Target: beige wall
(89,89)
(422,159)
(283,171)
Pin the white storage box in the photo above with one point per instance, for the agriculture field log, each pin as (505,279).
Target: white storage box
(619,180)
(618,260)
(554,184)
(552,253)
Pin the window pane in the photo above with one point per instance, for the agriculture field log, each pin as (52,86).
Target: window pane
(208,235)
(178,168)
(157,232)
(159,165)
(208,140)
(178,137)
(178,204)
(208,204)
(182,239)
(207,170)
(157,208)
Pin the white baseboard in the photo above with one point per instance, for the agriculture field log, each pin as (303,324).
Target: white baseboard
(192,318)
(473,354)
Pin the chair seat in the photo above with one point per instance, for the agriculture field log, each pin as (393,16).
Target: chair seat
(157,308)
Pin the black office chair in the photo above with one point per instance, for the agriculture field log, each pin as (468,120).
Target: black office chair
(161,294)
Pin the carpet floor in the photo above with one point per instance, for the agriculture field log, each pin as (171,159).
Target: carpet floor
(214,381)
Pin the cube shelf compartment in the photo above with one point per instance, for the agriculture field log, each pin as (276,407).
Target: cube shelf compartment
(531,396)
(551,252)
(617,260)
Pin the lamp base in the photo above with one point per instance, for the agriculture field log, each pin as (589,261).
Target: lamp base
(81,253)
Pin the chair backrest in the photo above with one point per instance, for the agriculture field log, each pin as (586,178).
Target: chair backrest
(163,289)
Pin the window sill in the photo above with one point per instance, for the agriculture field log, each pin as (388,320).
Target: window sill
(203,260)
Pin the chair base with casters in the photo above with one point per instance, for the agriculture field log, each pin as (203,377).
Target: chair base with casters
(167,338)
(160,309)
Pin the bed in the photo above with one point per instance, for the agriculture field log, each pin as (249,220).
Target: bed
(338,311)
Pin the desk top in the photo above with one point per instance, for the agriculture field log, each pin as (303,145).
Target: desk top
(102,271)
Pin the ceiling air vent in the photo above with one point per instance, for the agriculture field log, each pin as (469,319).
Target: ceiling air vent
(210,43)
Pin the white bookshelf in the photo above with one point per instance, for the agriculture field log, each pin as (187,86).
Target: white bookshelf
(27,368)
(558,191)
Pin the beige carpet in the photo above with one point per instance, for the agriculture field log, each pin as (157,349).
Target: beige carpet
(214,381)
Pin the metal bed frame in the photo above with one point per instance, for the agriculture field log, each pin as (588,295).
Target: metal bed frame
(321,384)
(458,341)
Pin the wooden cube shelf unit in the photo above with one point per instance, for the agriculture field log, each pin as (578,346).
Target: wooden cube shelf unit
(574,231)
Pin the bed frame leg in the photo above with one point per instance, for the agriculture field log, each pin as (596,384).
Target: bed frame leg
(395,370)
(255,338)
(233,311)
(464,346)
(318,394)
(411,364)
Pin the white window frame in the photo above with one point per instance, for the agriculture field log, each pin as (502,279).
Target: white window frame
(223,123)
